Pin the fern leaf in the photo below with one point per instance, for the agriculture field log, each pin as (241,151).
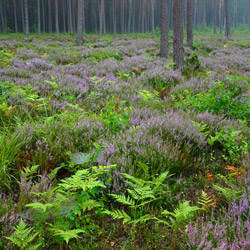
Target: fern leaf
(40,206)
(144,219)
(68,235)
(124,200)
(117,214)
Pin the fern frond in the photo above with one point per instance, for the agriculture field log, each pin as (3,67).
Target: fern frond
(22,236)
(228,193)
(69,234)
(144,218)
(124,200)
(40,206)
(90,204)
(117,214)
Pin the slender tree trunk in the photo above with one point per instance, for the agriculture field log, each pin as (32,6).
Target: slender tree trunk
(15,16)
(56,17)
(215,16)
(49,17)
(249,15)
(22,16)
(228,28)
(164,5)
(43,13)
(190,22)
(221,16)
(38,17)
(114,17)
(63,16)
(2,17)
(129,15)
(101,19)
(83,17)
(70,25)
(79,22)
(235,13)
(152,18)
(26,17)
(204,15)
(178,33)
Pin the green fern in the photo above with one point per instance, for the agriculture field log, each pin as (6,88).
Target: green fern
(205,201)
(68,235)
(228,193)
(22,237)
(181,215)
(141,193)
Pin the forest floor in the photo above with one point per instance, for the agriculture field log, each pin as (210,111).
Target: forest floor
(171,147)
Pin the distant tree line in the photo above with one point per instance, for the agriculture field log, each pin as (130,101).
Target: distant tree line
(113,16)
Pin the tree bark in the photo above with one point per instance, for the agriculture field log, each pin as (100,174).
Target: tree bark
(15,16)
(164,5)
(249,15)
(101,19)
(215,16)
(152,18)
(190,22)
(80,22)
(178,34)
(26,17)
(228,28)
(56,17)
(221,16)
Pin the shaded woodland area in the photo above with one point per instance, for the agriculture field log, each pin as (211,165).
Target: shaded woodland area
(118,16)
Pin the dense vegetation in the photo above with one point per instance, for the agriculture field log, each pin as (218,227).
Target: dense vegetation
(108,146)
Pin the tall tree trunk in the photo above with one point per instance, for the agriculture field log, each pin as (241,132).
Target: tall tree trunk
(2,17)
(164,5)
(178,33)
(63,16)
(235,13)
(190,22)
(101,19)
(114,16)
(50,18)
(22,16)
(228,28)
(221,16)
(70,25)
(215,16)
(153,18)
(83,17)
(79,22)
(56,17)
(38,17)
(26,17)
(129,15)
(43,13)
(15,15)
(204,16)
(249,15)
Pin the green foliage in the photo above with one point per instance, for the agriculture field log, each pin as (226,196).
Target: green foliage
(193,61)
(141,194)
(229,193)
(115,116)
(229,98)
(205,201)
(67,235)
(63,207)
(6,58)
(232,141)
(10,145)
(149,97)
(101,55)
(22,237)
